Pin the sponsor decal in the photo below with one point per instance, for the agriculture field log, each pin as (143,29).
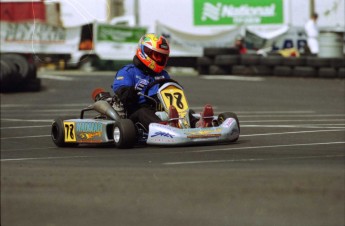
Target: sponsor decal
(228,122)
(90,141)
(204,133)
(89,127)
(162,134)
(203,136)
(225,12)
(120,78)
(159,77)
(89,135)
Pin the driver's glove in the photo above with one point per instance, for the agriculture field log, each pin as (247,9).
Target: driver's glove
(141,84)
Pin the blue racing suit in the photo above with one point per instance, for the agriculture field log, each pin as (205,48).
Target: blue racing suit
(126,79)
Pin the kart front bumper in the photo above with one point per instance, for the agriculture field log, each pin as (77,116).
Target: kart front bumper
(166,135)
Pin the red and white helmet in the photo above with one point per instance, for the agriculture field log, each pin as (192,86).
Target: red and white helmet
(153,51)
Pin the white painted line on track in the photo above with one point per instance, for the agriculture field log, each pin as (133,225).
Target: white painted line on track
(210,150)
(290,115)
(253,160)
(247,135)
(42,105)
(294,120)
(233,78)
(26,120)
(46,158)
(275,112)
(334,126)
(59,78)
(268,146)
(295,132)
(77,73)
(42,110)
(28,149)
(24,127)
(24,137)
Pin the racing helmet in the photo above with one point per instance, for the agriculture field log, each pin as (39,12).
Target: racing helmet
(153,51)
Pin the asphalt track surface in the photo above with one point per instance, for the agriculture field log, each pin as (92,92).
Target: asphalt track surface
(287,168)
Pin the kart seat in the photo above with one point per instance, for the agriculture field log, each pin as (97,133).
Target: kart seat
(206,117)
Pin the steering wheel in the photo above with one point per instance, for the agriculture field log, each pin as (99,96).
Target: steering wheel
(160,82)
(154,98)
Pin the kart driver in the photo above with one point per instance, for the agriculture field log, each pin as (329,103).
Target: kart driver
(148,65)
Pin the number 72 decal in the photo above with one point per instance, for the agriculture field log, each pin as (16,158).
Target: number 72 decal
(69,128)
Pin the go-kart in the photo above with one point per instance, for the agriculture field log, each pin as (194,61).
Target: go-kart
(111,124)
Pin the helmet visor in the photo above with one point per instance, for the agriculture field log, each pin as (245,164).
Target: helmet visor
(160,58)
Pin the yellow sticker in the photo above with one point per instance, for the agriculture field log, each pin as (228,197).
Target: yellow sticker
(172,95)
(70,132)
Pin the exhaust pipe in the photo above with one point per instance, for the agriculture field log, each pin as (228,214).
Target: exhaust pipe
(104,107)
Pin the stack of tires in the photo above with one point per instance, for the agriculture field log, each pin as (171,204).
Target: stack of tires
(227,61)
(17,74)
(217,61)
(311,66)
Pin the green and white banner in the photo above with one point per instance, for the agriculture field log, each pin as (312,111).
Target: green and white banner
(234,12)
(116,42)
(111,33)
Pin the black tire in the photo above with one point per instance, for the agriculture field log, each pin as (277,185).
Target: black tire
(214,51)
(226,60)
(20,63)
(4,68)
(242,70)
(203,70)
(250,59)
(219,70)
(5,76)
(341,72)
(32,71)
(225,115)
(10,78)
(337,62)
(204,61)
(304,72)
(262,70)
(124,133)
(271,60)
(282,71)
(32,85)
(318,62)
(327,72)
(294,61)
(58,133)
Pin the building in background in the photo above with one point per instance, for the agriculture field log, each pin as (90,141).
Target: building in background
(88,28)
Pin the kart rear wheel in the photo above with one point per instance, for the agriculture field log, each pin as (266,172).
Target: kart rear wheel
(58,133)
(124,133)
(225,115)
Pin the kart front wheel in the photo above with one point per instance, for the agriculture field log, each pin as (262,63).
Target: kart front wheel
(58,133)
(124,133)
(225,115)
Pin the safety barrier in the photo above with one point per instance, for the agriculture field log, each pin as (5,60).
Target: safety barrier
(17,74)
(227,61)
